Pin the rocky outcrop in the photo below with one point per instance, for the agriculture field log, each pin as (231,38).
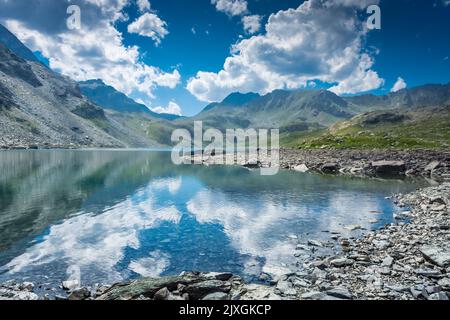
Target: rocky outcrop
(187,286)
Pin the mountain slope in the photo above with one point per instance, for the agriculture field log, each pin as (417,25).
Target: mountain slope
(423,127)
(109,98)
(14,44)
(306,110)
(40,107)
(427,95)
(288,110)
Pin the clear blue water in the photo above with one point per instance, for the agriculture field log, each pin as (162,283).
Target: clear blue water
(117,215)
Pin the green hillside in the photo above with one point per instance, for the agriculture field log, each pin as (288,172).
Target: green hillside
(401,128)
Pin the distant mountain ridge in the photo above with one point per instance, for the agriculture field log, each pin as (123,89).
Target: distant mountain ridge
(110,98)
(284,109)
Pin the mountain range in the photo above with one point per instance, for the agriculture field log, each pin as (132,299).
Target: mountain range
(40,107)
(109,98)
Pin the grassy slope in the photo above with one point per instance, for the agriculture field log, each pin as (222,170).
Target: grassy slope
(423,128)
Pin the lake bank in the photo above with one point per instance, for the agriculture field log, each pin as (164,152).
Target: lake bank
(410,163)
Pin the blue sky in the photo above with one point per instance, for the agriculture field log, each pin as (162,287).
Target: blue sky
(176,59)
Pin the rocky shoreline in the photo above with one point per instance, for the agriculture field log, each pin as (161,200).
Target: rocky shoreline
(408,260)
(364,163)
(417,162)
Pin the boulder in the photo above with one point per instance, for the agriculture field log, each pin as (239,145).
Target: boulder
(330,168)
(301,168)
(200,290)
(341,293)
(285,288)
(148,287)
(438,296)
(341,262)
(389,167)
(252,164)
(437,255)
(79,294)
(162,294)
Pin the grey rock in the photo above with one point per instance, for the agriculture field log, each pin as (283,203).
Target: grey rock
(444,283)
(389,167)
(285,288)
(342,262)
(301,168)
(330,168)
(341,293)
(27,286)
(387,262)
(437,255)
(316,295)
(162,294)
(199,290)
(79,294)
(428,273)
(218,296)
(438,296)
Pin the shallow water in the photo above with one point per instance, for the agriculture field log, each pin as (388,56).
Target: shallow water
(117,215)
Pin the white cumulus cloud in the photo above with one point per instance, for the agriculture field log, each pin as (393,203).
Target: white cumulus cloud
(96,51)
(172,108)
(231,7)
(143,5)
(149,25)
(316,41)
(400,84)
(252,24)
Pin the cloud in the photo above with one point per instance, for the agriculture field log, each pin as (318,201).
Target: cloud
(316,41)
(96,51)
(143,5)
(252,24)
(262,229)
(231,7)
(152,266)
(399,85)
(149,25)
(172,108)
(110,234)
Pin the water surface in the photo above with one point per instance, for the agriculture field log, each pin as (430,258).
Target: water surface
(117,215)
